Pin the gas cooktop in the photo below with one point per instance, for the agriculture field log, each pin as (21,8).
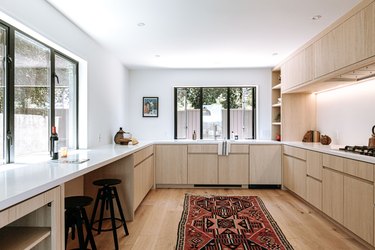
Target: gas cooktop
(362,150)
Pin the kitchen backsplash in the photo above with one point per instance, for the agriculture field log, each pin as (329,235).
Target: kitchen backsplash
(347,114)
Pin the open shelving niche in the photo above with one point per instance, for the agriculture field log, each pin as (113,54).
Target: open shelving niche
(33,224)
(276,104)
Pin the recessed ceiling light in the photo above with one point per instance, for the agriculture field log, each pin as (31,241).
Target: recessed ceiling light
(275,54)
(157,56)
(316,17)
(141,24)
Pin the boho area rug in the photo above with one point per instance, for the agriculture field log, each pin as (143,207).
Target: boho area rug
(228,222)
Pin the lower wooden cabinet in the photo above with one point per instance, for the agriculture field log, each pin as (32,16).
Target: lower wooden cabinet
(234,169)
(314,192)
(202,169)
(265,164)
(299,174)
(358,207)
(288,172)
(333,194)
(171,164)
(143,179)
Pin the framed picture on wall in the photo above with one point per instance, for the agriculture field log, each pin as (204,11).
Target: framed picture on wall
(150,106)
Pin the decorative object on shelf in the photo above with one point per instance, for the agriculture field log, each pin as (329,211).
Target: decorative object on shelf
(325,140)
(371,141)
(311,136)
(119,138)
(207,222)
(277,118)
(150,107)
(278,137)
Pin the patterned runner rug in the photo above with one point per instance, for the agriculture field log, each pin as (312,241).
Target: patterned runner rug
(228,222)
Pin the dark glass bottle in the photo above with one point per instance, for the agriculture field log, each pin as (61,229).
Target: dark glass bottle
(54,140)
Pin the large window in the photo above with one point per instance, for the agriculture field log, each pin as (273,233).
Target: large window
(38,90)
(215,112)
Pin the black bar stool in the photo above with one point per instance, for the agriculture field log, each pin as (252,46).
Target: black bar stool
(106,194)
(76,217)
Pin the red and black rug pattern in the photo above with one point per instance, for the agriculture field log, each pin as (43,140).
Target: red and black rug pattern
(228,222)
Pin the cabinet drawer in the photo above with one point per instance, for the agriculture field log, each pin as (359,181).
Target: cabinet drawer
(203,148)
(142,154)
(359,169)
(314,164)
(295,152)
(239,149)
(333,162)
(314,192)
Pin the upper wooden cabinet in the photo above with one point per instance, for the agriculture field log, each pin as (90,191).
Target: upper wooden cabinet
(343,46)
(299,69)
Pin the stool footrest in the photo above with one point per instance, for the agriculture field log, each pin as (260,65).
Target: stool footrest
(106,229)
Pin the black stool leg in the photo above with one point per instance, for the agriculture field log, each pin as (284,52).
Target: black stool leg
(120,211)
(113,222)
(66,229)
(102,204)
(90,237)
(95,207)
(80,233)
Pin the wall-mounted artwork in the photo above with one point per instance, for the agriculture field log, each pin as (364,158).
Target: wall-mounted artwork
(150,106)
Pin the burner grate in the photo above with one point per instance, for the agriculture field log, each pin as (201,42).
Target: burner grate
(363,150)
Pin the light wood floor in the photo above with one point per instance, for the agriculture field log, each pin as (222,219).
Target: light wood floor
(157,218)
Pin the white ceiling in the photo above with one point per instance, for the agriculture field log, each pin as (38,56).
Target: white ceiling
(202,33)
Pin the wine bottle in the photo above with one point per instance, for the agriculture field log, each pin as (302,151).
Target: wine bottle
(54,140)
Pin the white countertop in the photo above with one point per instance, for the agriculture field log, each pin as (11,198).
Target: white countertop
(20,181)
(332,150)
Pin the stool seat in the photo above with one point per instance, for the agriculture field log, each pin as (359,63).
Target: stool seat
(77,201)
(106,182)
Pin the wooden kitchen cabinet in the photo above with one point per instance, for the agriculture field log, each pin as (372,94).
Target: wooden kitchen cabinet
(341,47)
(202,168)
(298,69)
(234,168)
(265,164)
(288,172)
(171,164)
(143,174)
(333,194)
(314,163)
(358,207)
(299,175)
(369,16)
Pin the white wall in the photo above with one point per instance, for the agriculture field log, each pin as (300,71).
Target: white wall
(160,83)
(347,114)
(107,79)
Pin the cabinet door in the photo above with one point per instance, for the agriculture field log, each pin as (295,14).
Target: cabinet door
(234,169)
(298,69)
(358,207)
(202,169)
(265,164)
(138,190)
(370,30)
(343,46)
(299,174)
(171,164)
(333,194)
(288,173)
(147,175)
(314,163)
(314,192)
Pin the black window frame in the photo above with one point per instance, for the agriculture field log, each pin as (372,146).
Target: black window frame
(254,105)
(9,110)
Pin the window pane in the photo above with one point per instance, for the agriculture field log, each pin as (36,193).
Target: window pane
(188,112)
(214,113)
(65,101)
(31,96)
(241,112)
(3,36)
